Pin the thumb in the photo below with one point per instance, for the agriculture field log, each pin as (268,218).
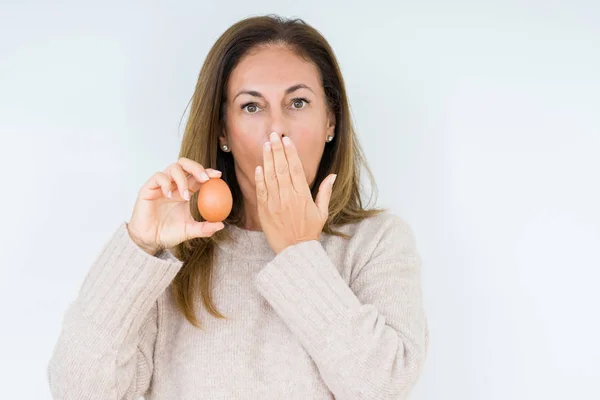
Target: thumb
(202,229)
(324,195)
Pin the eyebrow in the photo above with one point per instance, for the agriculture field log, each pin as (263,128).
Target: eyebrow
(287,91)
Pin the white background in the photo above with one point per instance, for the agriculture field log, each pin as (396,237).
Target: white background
(480,121)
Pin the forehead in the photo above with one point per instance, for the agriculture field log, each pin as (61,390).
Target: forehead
(273,68)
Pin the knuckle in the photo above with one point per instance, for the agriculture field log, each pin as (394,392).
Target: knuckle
(274,210)
(286,200)
(296,169)
(282,169)
(170,169)
(178,173)
(270,178)
(160,178)
(262,194)
(177,167)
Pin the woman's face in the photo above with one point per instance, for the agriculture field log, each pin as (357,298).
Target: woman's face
(274,90)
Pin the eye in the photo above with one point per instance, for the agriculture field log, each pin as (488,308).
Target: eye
(251,108)
(299,103)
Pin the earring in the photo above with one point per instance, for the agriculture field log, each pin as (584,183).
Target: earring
(225,147)
(329,138)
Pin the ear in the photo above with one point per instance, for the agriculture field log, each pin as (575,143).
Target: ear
(330,123)
(223,138)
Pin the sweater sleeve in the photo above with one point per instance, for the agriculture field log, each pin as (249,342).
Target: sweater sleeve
(105,348)
(368,339)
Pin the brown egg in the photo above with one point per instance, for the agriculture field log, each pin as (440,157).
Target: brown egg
(215,200)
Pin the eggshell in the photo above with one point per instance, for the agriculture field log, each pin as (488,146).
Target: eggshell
(215,200)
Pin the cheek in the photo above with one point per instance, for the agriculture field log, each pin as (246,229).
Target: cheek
(310,149)
(247,147)
(249,151)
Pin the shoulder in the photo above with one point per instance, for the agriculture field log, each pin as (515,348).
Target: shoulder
(385,237)
(378,225)
(381,229)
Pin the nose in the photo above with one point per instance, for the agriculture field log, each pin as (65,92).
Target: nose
(277,123)
(281,134)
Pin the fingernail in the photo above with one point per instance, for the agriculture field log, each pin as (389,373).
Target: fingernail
(186,195)
(286,141)
(268,146)
(333,179)
(170,195)
(274,136)
(205,176)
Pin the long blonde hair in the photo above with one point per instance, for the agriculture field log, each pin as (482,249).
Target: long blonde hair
(205,123)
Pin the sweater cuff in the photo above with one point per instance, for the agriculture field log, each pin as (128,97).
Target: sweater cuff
(123,284)
(306,290)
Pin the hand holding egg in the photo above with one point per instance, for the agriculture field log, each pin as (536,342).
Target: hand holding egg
(161,217)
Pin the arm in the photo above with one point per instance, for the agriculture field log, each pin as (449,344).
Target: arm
(369,339)
(106,343)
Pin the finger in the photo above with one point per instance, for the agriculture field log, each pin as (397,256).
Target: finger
(213,173)
(282,169)
(194,184)
(202,229)
(159,181)
(297,174)
(270,176)
(200,173)
(260,186)
(175,172)
(324,195)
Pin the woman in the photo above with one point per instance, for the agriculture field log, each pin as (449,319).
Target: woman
(305,294)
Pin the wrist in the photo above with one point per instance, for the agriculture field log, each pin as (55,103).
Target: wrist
(152,250)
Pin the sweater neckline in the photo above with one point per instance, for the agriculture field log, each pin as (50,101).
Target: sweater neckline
(246,244)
